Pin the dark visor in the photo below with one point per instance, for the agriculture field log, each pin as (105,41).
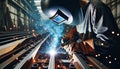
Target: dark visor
(59,17)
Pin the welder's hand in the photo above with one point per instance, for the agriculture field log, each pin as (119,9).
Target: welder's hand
(70,37)
(85,47)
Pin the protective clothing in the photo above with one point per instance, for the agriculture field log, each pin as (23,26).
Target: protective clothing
(92,21)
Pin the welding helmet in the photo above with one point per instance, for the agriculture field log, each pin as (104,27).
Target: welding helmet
(61,11)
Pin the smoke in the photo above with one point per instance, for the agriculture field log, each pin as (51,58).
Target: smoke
(55,30)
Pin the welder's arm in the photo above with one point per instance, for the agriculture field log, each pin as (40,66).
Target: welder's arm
(105,29)
(72,43)
(70,37)
(84,47)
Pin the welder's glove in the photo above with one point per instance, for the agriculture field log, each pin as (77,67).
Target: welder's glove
(83,48)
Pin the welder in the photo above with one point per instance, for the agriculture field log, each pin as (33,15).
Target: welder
(95,29)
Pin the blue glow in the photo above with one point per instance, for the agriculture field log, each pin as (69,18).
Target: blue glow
(58,19)
(54,29)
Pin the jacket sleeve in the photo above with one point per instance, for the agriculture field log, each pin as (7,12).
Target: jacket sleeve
(104,27)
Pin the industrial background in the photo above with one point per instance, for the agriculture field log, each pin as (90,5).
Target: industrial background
(24,34)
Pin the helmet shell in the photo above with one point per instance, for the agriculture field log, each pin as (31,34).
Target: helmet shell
(69,8)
